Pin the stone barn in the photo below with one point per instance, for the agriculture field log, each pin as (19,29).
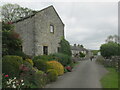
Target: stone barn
(41,32)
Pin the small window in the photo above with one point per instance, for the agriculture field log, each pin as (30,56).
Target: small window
(51,28)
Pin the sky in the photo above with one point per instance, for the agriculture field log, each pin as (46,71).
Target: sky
(86,23)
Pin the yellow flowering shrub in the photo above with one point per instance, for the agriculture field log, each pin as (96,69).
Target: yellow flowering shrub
(57,66)
(30,61)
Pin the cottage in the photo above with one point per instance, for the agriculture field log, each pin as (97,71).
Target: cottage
(76,49)
(41,32)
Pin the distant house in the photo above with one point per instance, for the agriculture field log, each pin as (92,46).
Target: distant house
(76,49)
(41,32)
(98,53)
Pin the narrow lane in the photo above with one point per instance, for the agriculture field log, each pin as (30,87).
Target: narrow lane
(85,75)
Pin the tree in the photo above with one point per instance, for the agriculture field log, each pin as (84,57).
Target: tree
(13,12)
(112,38)
(11,42)
(65,47)
(82,54)
(110,49)
(82,46)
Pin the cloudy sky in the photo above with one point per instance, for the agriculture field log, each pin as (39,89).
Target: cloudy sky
(87,23)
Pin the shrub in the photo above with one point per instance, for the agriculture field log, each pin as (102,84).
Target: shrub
(68,68)
(52,75)
(34,78)
(65,47)
(62,58)
(11,42)
(82,54)
(57,66)
(40,79)
(10,65)
(30,61)
(43,57)
(41,65)
(21,54)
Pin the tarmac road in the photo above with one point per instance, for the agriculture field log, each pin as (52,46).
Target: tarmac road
(85,75)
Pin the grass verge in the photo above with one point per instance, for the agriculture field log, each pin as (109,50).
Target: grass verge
(110,80)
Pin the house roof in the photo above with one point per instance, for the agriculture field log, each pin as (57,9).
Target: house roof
(78,48)
(39,12)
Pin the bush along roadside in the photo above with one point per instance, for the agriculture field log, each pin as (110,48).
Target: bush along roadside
(34,73)
(110,80)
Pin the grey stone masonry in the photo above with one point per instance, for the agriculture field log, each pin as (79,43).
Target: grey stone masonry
(45,28)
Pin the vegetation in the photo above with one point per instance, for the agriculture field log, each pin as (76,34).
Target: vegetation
(30,61)
(13,12)
(10,65)
(110,49)
(82,54)
(44,57)
(65,47)
(41,64)
(11,43)
(57,66)
(95,52)
(62,58)
(110,80)
(52,75)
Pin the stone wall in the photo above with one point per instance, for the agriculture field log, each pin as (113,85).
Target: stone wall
(26,29)
(43,36)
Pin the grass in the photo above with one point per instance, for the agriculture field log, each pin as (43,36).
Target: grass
(110,80)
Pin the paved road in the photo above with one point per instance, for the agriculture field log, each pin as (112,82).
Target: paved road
(85,75)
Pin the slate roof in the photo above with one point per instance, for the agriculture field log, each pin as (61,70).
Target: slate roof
(78,48)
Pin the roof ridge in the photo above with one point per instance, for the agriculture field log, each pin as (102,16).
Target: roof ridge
(35,14)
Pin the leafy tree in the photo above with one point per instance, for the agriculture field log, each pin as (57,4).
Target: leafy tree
(82,46)
(110,49)
(11,42)
(95,52)
(65,47)
(13,12)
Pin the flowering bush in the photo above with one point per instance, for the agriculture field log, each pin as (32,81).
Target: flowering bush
(68,68)
(30,61)
(33,78)
(8,82)
(57,66)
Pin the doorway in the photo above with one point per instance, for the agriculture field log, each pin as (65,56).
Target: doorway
(45,50)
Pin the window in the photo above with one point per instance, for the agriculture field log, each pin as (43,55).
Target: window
(51,28)
(45,50)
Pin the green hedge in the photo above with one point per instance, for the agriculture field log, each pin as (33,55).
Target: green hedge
(41,64)
(11,64)
(44,57)
(62,58)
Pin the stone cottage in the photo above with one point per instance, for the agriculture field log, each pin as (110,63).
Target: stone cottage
(41,32)
(76,49)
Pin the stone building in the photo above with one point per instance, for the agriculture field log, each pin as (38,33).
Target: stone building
(41,32)
(76,49)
